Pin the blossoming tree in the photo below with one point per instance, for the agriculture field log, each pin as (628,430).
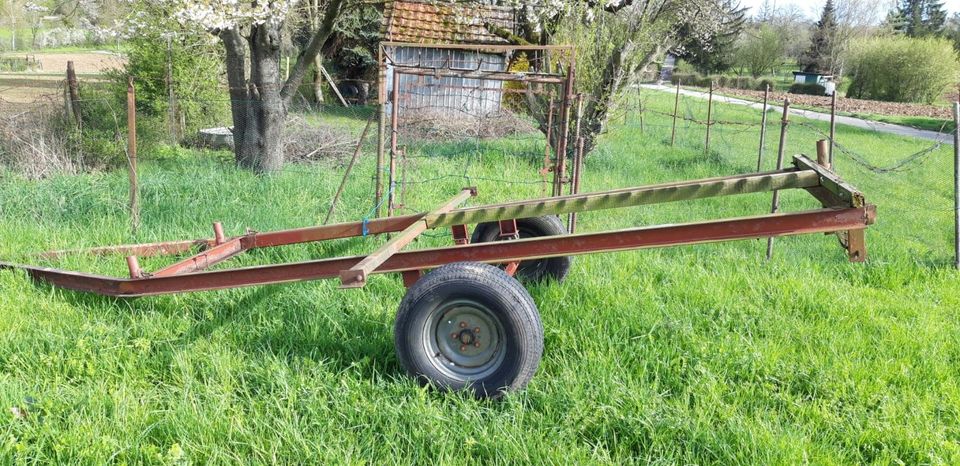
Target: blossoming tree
(251,32)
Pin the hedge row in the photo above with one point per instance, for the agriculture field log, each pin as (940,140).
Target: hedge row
(730,82)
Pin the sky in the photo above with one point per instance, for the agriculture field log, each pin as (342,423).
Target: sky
(813,8)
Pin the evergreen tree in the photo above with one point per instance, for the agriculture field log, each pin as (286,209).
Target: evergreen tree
(821,56)
(920,18)
(717,54)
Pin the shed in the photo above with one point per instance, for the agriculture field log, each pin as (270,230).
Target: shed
(413,29)
(802,77)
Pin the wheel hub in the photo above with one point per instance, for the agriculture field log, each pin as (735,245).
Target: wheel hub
(468,338)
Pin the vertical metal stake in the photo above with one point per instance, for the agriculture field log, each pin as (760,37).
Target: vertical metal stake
(706,145)
(676,110)
(763,127)
(956,182)
(382,135)
(833,124)
(132,155)
(785,122)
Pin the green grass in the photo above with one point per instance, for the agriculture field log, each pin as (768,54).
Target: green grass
(705,354)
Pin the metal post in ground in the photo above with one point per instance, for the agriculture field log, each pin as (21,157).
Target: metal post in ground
(676,110)
(132,155)
(763,127)
(706,144)
(956,182)
(394,135)
(784,123)
(382,136)
(833,124)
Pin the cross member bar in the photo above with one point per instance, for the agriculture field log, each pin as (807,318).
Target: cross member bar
(356,276)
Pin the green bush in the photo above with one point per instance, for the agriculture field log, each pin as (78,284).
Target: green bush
(197,68)
(902,69)
(730,82)
(808,89)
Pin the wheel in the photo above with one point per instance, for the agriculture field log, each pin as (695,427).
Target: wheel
(469,326)
(533,271)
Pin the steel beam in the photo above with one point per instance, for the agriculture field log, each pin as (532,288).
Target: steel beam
(818,221)
(628,198)
(206,259)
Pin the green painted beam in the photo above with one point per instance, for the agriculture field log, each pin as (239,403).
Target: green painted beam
(659,194)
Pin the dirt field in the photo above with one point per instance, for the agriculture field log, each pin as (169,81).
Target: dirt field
(851,105)
(32,86)
(84,62)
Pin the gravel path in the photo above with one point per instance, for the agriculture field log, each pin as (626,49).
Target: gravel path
(887,128)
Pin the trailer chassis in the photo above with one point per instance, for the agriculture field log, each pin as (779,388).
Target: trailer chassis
(844,212)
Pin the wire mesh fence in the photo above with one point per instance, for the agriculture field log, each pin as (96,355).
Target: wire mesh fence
(911,179)
(484,135)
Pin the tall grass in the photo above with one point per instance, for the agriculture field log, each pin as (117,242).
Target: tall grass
(704,354)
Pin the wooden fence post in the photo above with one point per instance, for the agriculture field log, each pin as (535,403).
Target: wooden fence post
(73,87)
(784,123)
(132,155)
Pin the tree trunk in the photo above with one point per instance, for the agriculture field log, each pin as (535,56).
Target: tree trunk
(257,107)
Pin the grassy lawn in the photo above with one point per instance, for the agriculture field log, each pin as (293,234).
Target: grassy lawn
(693,355)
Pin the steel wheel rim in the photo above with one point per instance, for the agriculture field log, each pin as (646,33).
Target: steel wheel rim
(465,339)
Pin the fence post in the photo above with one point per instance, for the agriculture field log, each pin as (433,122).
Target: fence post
(394,142)
(132,155)
(676,110)
(823,154)
(784,123)
(833,124)
(956,182)
(382,130)
(763,127)
(173,121)
(74,88)
(706,145)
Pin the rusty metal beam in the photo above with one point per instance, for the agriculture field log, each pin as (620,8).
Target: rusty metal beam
(356,276)
(818,221)
(206,259)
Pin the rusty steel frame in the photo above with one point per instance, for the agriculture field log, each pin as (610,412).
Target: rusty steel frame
(845,212)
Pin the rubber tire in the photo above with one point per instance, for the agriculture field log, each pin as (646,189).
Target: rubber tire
(504,297)
(532,271)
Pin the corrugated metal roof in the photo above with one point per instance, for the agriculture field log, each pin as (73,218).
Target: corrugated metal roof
(445,23)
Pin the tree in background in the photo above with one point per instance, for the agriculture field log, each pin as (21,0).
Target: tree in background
(903,69)
(919,18)
(952,31)
(253,34)
(615,39)
(760,52)
(820,56)
(718,54)
(790,22)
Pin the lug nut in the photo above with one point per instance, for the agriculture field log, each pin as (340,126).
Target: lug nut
(476,330)
(463,325)
(476,345)
(454,336)
(463,347)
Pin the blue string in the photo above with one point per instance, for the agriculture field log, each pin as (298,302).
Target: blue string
(366,219)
